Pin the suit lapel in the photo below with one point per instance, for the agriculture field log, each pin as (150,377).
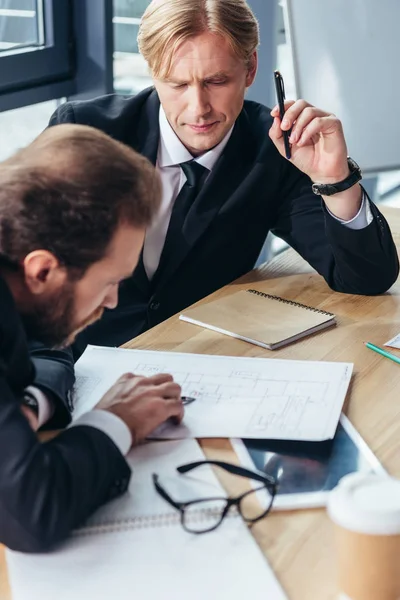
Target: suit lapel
(140,278)
(145,141)
(147,136)
(229,172)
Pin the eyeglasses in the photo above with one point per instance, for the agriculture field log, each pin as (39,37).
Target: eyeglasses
(206,514)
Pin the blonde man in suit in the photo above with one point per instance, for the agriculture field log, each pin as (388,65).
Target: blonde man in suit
(226,182)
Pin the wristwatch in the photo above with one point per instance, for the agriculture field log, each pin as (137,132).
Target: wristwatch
(30,401)
(328,189)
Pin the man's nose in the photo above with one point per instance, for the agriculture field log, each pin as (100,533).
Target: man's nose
(199,101)
(111,299)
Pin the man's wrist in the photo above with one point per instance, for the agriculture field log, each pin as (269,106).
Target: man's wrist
(345,179)
(31,402)
(45,406)
(340,172)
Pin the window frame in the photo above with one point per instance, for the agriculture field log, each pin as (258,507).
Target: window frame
(77,65)
(27,67)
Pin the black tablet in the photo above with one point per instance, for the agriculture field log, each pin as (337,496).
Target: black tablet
(307,471)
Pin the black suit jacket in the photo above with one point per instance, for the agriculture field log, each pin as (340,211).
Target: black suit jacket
(252,190)
(45,489)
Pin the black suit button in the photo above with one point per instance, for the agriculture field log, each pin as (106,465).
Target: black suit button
(154,306)
(119,486)
(124,485)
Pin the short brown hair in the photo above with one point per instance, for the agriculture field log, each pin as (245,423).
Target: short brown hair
(68,192)
(166,24)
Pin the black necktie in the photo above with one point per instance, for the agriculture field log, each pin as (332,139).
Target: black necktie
(195,177)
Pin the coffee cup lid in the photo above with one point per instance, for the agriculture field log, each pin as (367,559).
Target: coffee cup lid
(366,503)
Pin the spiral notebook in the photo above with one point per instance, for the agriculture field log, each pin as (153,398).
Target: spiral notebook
(252,316)
(135,546)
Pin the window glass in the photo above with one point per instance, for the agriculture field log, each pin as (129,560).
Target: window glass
(130,70)
(21,24)
(19,127)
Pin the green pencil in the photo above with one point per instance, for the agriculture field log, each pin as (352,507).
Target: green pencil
(392,357)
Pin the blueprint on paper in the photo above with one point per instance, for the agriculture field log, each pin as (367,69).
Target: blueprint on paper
(235,396)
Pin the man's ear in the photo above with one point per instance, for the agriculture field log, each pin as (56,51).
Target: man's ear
(43,272)
(252,69)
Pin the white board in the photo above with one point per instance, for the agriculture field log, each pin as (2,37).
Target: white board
(346,57)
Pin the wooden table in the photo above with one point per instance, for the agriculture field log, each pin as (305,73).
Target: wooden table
(298,544)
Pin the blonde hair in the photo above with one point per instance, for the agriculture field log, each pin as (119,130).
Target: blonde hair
(166,24)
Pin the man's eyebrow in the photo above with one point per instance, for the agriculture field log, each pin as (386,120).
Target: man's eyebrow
(217,75)
(174,80)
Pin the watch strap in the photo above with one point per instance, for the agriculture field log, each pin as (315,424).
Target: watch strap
(328,189)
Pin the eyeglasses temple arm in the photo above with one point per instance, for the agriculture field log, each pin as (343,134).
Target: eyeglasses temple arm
(234,469)
(165,494)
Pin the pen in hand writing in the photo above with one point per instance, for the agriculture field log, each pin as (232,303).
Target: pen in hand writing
(187,400)
(280,93)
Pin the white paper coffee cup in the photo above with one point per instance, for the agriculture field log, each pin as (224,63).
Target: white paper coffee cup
(365,510)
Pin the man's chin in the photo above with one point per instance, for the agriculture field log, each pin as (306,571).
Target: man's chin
(96,316)
(70,339)
(200,143)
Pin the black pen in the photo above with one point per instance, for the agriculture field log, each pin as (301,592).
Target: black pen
(187,400)
(280,92)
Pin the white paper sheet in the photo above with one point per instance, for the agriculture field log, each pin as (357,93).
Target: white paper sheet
(394,342)
(150,560)
(235,396)
(163,563)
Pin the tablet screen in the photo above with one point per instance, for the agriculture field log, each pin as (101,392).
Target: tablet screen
(306,471)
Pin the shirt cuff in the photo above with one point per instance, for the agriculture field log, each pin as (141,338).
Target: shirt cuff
(363,218)
(45,405)
(110,424)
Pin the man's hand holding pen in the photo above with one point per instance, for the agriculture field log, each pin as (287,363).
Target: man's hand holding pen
(318,149)
(144,403)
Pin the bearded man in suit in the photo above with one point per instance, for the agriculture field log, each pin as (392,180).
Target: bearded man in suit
(74,207)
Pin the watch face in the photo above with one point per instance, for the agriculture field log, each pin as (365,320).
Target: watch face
(316,189)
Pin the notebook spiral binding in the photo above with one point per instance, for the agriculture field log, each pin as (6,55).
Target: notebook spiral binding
(291,302)
(148,522)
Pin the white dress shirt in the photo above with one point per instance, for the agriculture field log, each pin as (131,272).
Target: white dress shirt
(171,152)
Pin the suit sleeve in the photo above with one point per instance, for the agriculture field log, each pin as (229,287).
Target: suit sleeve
(63,114)
(48,489)
(54,375)
(362,261)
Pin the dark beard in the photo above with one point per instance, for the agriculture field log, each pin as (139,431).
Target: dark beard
(52,321)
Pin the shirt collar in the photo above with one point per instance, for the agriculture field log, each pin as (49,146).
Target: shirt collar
(172,152)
